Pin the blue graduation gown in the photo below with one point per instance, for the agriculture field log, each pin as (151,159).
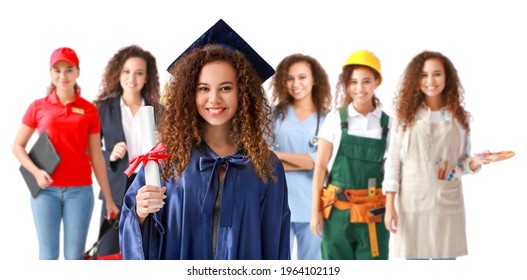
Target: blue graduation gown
(254,216)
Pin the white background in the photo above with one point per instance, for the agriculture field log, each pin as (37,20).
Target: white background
(484,39)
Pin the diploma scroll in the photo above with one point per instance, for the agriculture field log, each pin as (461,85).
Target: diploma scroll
(146,114)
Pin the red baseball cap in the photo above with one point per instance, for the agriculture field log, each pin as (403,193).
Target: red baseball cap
(65,54)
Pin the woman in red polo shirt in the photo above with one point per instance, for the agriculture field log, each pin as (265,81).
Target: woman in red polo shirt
(66,195)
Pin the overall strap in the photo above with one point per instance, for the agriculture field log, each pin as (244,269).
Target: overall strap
(344,120)
(385,120)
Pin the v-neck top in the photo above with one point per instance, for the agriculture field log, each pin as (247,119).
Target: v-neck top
(292,136)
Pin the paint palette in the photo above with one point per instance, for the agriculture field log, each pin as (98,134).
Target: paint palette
(494,156)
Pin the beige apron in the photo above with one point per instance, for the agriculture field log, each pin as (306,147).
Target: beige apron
(431,210)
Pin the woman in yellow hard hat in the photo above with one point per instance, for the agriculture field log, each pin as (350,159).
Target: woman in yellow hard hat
(348,204)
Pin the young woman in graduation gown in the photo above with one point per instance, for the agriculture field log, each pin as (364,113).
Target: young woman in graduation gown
(224,194)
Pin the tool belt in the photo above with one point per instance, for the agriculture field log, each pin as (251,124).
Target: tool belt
(358,202)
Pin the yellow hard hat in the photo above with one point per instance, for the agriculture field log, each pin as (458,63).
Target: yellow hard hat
(366,58)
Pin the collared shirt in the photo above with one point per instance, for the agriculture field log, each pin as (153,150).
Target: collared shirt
(68,127)
(368,126)
(399,147)
(132,129)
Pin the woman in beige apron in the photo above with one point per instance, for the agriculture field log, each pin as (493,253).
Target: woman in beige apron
(429,152)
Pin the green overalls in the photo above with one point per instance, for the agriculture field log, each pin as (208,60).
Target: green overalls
(358,159)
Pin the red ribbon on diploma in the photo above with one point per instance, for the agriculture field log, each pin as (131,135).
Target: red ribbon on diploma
(155,154)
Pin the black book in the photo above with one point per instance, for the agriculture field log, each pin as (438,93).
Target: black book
(44,156)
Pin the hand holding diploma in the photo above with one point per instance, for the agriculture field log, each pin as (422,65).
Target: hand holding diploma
(149,200)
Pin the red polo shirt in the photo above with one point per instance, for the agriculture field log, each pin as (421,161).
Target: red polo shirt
(68,127)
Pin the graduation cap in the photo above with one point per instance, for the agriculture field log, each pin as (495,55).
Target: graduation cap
(222,34)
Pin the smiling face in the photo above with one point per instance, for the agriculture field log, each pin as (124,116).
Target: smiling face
(433,80)
(361,87)
(64,76)
(300,81)
(217,94)
(133,75)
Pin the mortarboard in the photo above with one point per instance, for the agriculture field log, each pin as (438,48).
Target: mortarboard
(222,34)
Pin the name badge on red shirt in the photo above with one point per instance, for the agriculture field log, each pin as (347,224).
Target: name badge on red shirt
(77,110)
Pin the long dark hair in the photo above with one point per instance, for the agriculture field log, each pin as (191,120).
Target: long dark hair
(321,92)
(110,86)
(409,96)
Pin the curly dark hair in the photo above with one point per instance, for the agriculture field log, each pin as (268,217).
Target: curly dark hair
(110,86)
(409,95)
(321,92)
(343,97)
(181,128)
